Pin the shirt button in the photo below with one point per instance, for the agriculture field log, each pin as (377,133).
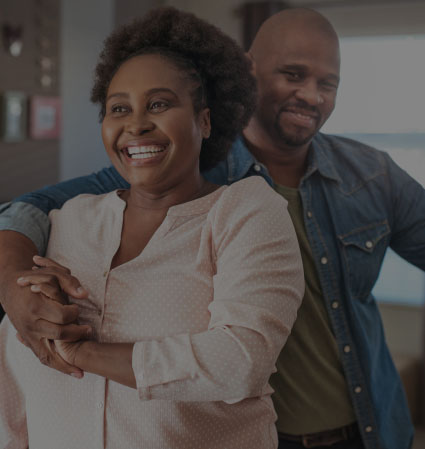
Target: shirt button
(105,273)
(309,214)
(347,349)
(358,389)
(335,305)
(257,168)
(368,429)
(324,260)
(369,244)
(100,405)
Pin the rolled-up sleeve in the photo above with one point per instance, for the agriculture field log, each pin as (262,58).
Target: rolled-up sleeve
(258,287)
(28,220)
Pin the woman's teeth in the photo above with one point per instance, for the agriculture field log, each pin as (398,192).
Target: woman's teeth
(143,152)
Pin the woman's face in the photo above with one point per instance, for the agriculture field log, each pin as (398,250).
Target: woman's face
(150,130)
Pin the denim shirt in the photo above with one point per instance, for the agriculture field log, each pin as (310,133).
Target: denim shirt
(357,202)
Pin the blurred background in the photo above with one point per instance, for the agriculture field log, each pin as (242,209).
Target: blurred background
(50,131)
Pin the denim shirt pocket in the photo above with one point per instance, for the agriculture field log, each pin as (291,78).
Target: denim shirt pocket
(363,251)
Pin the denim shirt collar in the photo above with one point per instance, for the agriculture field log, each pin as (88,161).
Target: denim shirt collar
(320,158)
(240,160)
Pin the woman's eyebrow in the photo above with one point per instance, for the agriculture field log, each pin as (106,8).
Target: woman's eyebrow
(154,90)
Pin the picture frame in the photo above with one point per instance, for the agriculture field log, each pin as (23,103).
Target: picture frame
(45,117)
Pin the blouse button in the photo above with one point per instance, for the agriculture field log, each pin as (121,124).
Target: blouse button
(335,305)
(368,429)
(324,260)
(347,349)
(309,214)
(257,168)
(369,244)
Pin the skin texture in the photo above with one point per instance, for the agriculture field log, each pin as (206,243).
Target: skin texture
(149,105)
(296,63)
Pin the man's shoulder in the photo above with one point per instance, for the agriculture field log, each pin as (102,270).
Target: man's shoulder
(351,158)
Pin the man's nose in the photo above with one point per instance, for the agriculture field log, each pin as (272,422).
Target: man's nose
(310,93)
(138,124)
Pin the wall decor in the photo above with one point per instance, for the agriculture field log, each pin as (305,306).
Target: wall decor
(45,117)
(13,116)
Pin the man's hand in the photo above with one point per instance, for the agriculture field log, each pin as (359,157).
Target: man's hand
(37,319)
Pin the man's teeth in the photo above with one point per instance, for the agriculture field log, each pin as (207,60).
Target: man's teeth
(143,152)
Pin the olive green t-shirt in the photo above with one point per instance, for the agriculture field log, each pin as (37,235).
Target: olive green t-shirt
(311,394)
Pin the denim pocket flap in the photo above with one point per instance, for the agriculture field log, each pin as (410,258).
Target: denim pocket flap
(366,237)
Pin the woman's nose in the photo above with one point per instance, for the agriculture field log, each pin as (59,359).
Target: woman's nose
(139,124)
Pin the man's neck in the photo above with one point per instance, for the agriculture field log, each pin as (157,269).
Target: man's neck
(286,165)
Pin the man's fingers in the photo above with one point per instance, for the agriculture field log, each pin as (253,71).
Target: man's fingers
(45,309)
(69,332)
(52,292)
(24,342)
(64,281)
(49,263)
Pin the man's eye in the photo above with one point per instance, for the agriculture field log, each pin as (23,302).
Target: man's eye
(329,86)
(292,76)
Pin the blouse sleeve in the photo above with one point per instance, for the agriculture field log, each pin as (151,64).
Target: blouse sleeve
(258,287)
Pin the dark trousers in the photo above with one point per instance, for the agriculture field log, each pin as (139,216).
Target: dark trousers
(355,443)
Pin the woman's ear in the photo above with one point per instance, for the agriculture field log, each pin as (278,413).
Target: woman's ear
(205,122)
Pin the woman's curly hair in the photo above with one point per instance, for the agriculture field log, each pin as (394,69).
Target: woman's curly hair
(206,54)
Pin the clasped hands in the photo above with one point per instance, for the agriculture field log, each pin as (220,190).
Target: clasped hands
(59,346)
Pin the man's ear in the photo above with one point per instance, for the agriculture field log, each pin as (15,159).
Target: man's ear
(253,64)
(205,122)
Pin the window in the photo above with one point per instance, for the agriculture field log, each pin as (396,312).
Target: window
(381,102)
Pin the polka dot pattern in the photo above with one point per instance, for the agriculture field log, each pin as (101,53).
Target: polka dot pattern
(209,302)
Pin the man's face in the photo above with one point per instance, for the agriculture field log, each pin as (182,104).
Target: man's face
(297,77)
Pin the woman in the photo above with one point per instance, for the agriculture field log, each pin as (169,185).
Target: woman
(192,287)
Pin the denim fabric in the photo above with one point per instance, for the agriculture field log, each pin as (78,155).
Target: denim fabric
(357,202)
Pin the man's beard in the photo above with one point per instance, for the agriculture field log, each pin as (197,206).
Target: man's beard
(294,139)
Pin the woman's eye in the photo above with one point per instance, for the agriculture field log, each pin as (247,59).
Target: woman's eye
(118,109)
(158,106)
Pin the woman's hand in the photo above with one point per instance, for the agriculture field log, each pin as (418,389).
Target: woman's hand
(48,279)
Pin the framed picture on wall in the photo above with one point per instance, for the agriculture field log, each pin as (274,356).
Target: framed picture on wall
(45,117)
(13,119)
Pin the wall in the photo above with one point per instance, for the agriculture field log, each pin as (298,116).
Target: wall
(29,164)
(85,24)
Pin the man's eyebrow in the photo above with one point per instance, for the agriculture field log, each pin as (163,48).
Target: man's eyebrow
(154,90)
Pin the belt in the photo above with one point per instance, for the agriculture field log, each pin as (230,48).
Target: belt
(326,438)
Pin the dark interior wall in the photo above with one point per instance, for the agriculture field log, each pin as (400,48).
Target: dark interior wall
(29,164)
(126,10)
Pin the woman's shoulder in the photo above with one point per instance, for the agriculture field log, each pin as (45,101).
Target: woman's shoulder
(87,205)
(253,191)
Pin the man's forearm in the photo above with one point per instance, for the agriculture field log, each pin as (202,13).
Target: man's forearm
(16,253)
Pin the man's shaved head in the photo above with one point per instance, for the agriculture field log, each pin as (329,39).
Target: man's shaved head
(291,23)
(296,63)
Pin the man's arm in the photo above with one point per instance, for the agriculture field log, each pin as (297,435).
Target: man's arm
(24,230)
(408,210)
(33,317)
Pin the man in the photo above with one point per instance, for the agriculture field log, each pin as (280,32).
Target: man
(336,385)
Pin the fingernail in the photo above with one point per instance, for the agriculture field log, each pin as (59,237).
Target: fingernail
(89,332)
(76,375)
(81,291)
(21,279)
(35,288)
(36,257)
